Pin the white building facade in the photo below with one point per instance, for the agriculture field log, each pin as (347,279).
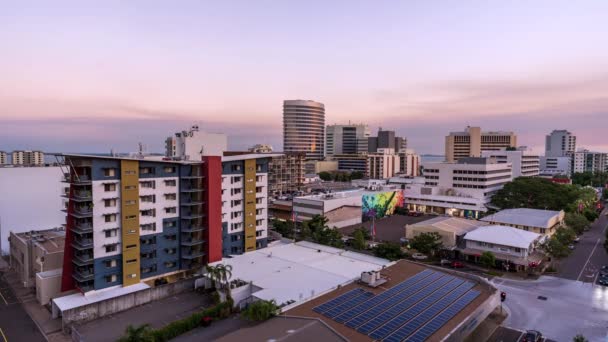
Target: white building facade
(587,161)
(524,162)
(559,143)
(3,158)
(383,164)
(553,166)
(194,144)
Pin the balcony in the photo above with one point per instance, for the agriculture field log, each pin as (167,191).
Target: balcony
(189,203)
(189,255)
(82,212)
(191,215)
(77,180)
(192,188)
(147,262)
(83,275)
(83,259)
(192,242)
(191,264)
(82,228)
(192,229)
(82,244)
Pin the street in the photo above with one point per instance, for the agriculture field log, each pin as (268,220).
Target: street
(571,307)
(15,324)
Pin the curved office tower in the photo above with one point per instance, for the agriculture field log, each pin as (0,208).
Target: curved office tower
(304,128)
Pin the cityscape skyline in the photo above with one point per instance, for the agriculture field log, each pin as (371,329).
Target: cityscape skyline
(98,72)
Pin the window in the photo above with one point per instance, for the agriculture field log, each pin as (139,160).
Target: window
(170,224)
(149,213)
(259,222)
(111,248)
(148,184)
(109,172)
(170,182)
(130,217)
(258,233)
(235,179)
(171,210)
(236,203)
(259,211)
(131,246)
(259,178)
(111,233)
(236,168)
(148,199)
(234,250)
(148,227)
(517,250)
(109,187)
(110,263)
(146,170)
(235,238)
(110,278)
(170,264)
(110,202)
(130,172)
(130,187)
(258,167)
(171,197)
(259,189)
(169,169)
(171,250)
(110,217)
(236,191)
(259,200)
(130,202)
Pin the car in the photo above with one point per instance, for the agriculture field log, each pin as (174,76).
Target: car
(445,262)
(570,246)
(457,264)
(532,336)
(602,281)
(577,239)
(604,268)
(419,256)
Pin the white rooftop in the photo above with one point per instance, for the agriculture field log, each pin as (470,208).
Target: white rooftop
(78,299)
(503,235)
(450,224)
(299,271)
(525,217)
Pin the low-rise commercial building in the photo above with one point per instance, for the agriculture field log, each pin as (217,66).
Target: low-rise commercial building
(351,162)
(524,163)
(552,166)
(451,229)
(513,248)
(544,222)
(318,166)
(36,251)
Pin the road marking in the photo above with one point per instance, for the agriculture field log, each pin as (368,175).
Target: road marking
(3,336)
(4,299)
(589,258)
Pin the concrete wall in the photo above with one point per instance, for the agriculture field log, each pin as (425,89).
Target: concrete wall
(47,287)
(111,306)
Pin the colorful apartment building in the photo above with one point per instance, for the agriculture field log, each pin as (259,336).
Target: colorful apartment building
(131,220)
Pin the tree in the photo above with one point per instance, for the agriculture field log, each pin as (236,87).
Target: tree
(389,250)
(595,179)
(579,338)
(426,243)
(576,222)
(487,259)
(220,274)
(356,175)
(285,228)
(358,239)
(326,176)
(565,235)
(142,333)
(555,248)
(260,310)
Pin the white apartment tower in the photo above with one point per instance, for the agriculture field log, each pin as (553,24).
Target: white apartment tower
(3,158)
(560,143)
(27,158)
(382,164)
(304,128)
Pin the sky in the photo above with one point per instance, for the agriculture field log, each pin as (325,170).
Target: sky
(88,76)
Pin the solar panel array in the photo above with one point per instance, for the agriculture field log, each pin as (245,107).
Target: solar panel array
(412,310)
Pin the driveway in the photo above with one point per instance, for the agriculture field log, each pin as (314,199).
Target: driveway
(156,314)
(15,324)
(589,254)
(571,307)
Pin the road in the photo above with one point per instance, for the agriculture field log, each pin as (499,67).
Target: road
(588,255)
(572,307)
(15,324)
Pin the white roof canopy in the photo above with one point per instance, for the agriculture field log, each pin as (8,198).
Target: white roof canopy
(503,235)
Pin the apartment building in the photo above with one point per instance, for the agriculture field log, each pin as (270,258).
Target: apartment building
(382,164)
(131,220)
(346,139)
(524,162)
(560,143)
(286,173)
(587,161)
(304,128)
(244,202)
(194,144)
(555,166)
(3,158)
(27,158)
(472,141)
(409,163)
(386,139)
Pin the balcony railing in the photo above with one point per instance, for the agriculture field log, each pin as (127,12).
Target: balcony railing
(83,259)
(82,228)
(192,229)
(83,275)
(192,254)
(77,180)
(192,242)
(82,212)
(82,244)
(192,215)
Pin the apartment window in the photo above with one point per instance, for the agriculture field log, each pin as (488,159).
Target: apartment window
(130,172)
(543,230)
(149,227)
(236,179)
(146,170)
(111,233)
(110,263)
(110,217)
(258,200)
(130,217)
(148,199)
(259,189)
(110,202)
(259,178)
(130,202)
(171,224)
(236,168)
(235,238)
(236,214)
(109,172)
(109,187)
(130,187)
(171,210)
(259,222)
(259,211)
(131,246)
(111,248)
(258,233)
(170,197)
(234,250)
(517,250)
(169,169)
(236,202)
(237,191)
(110,278)
(170,264)
(148,184)
(149,213)
(171,250)
(258,167)
(170,182)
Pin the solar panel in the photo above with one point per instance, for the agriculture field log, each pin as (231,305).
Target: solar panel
(402,306)
(381,298)
(431,327)
(415,310)
(424,316)
(387,306)
(340,309)
(338,300)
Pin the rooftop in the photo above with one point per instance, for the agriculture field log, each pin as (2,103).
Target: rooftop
(298,271)
(144,158)
(238,155)
(78,299)
(286,328)
(49,240)
(525,217)
(503,235)
(451,224)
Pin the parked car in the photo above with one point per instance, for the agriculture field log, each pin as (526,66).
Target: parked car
(457,264)
(445,262)
(532,336)
(415,213)
(603,281)
(570,246)
(577,239)
(419,256)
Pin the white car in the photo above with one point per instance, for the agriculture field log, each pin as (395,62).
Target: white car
(419,256)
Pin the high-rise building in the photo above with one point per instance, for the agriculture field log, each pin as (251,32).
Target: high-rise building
(346,139)
(131,220)
(472,141)
(27,158)
(386,139)
(286,173)
(244,202)
(560,143)
(304,128)
(409,163)
(382,164)
(193,144)
(260,148)
(524,162)
(3,158)
(588,161)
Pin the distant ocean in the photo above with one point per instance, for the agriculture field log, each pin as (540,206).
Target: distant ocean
(432,158)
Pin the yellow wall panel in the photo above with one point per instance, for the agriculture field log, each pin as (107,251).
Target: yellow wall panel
(250,169)
(129,211)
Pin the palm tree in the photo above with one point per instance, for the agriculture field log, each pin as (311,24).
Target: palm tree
(220,275)
(137,334)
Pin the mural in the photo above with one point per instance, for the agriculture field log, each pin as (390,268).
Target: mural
(381,204)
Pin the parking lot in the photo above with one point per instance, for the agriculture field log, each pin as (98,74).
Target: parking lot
(388,229)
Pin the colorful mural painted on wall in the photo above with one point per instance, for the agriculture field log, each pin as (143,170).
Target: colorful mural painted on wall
(381,204)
